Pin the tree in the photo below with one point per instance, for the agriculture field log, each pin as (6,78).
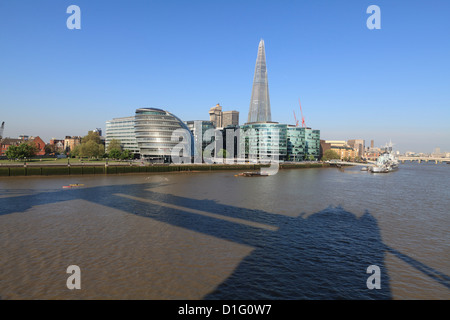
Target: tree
(91,149)
(223,153)
(24,150)
(12,152)
(76,152)
(91,136)
(330,155)
(114,153)
(91,146)
(48,149)
(126,154)
(114,144)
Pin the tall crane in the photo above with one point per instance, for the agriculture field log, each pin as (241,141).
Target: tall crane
(1,129)
(303,118)
(296,121)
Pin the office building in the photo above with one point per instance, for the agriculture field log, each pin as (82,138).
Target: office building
(230,118)
(341,147)
(312,144)
(358,145)
(148,134)
(262,141)
(259,110)
(122,129)
(198,129)
(215,116)
(296,143)
(222,119)
(154,129)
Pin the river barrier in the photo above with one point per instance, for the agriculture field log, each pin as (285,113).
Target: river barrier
(50,170)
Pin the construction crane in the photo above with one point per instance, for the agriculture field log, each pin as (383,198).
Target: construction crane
(1,129)
(303,118)
(296,121)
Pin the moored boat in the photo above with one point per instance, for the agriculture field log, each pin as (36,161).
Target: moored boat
(252,174)
(387,162)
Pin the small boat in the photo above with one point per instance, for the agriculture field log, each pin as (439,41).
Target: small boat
(252,174)
(73,185)
(364,169)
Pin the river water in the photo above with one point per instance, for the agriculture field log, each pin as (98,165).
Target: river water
(299,234)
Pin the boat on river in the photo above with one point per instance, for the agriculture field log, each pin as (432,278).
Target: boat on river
(386,162)
(252,174)
(73,185)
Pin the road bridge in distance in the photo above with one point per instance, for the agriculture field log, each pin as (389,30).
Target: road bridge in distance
(436,160)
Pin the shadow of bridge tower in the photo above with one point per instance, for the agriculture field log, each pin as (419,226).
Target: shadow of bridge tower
(322,256)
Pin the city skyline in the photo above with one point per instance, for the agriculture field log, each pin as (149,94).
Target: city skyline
(354,83)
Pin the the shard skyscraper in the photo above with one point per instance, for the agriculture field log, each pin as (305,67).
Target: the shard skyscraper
(260,102)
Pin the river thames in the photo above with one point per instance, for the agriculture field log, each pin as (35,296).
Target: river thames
(299,234)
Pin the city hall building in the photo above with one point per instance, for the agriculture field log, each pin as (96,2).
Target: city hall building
(148,134)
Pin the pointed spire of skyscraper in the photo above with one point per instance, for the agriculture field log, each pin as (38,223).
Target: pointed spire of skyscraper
(260,102)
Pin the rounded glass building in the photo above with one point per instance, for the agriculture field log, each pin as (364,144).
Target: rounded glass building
(154,129)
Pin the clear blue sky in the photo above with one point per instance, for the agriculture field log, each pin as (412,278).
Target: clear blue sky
(186,56)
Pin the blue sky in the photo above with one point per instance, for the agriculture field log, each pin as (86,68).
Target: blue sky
(187,56)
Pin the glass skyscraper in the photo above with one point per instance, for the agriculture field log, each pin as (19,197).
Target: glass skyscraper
(260,103)
(262,138)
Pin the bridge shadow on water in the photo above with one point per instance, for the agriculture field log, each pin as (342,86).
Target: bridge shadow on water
(322,256)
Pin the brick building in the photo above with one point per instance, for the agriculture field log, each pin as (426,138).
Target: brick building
(6,143)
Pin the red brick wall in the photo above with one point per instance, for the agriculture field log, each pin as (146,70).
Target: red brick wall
(40,146)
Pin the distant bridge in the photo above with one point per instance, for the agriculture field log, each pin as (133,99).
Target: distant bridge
(425,159)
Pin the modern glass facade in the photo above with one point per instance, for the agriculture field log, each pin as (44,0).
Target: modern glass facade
(260,102)
(122,129)
(296,143)
(263,141)
(153,129)
(148,134)
(312,139)
(199,139)
(288,143)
